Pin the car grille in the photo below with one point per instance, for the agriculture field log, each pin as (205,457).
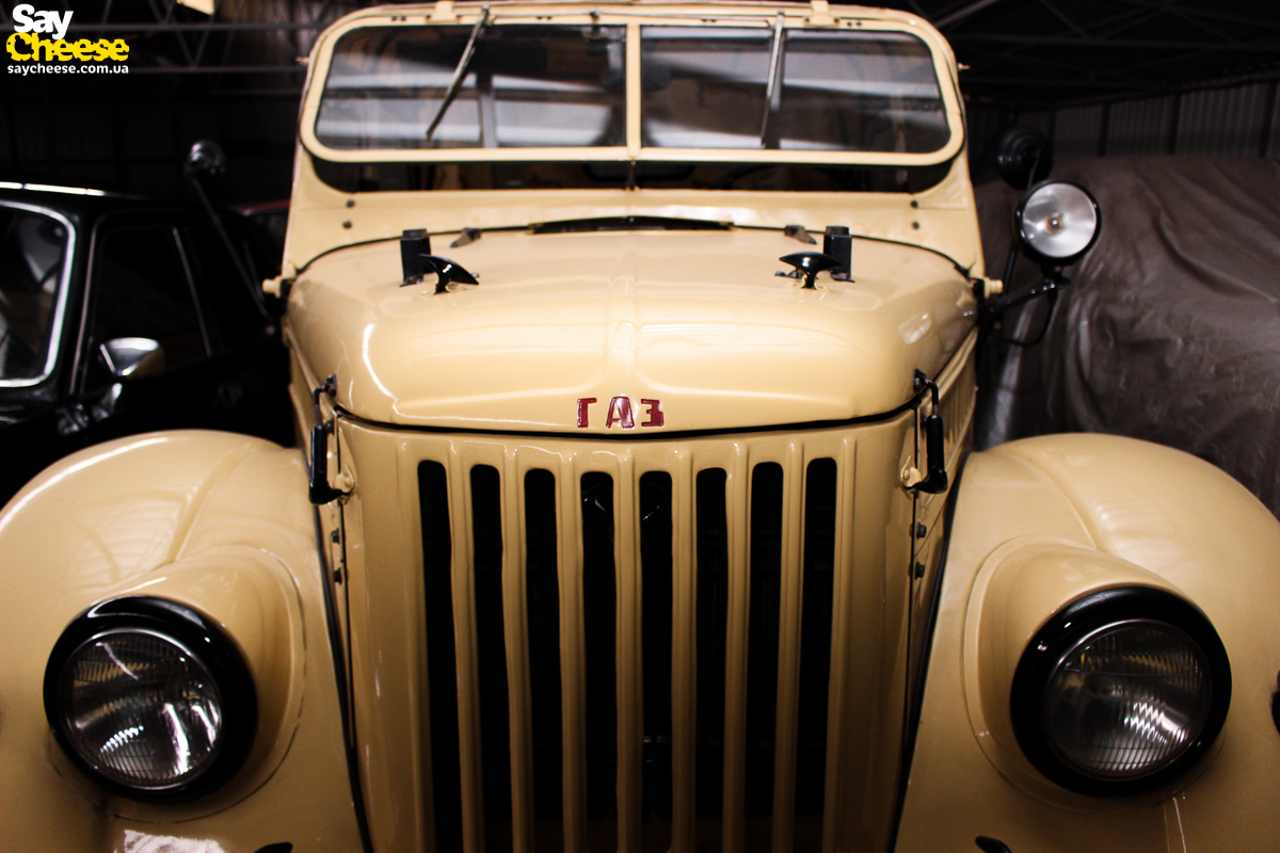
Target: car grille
(629,646)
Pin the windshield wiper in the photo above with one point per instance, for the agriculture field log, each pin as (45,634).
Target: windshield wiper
(775,57)
(460,72)
(628,223)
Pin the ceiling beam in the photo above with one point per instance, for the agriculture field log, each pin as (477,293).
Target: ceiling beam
(964,12)
(1272,46)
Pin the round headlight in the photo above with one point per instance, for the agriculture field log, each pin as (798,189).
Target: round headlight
(1057,222)
(1120,692)
(149,698)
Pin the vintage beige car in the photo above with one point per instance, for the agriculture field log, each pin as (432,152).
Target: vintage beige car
(625,519)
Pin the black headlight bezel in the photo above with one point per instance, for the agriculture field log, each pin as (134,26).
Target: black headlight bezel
(189,629)
(1065,631)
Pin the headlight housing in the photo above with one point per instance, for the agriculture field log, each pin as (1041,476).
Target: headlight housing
(150,699)
(1057,222)
(1120,692)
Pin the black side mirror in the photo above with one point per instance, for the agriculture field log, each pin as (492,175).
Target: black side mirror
(132,358)
(204,168)
(1024,156)
(206,163)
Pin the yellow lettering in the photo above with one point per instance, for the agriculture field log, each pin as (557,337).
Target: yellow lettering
(46,46)
(47,50)
(12,45)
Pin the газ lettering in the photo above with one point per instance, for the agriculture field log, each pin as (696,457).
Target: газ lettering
(633,372)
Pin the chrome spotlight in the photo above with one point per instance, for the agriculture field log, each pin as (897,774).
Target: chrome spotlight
(1057,222)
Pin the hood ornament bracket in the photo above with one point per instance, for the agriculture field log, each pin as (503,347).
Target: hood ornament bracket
(807,266)
(416,260)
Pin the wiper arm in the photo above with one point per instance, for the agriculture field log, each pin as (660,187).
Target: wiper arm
(460,72)
(775,57)
(628,223)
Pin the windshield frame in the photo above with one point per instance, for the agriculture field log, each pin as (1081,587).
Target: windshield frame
(764,16)
(64,288)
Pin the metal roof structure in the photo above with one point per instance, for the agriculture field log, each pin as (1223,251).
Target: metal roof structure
(1024,54)
(1053,53)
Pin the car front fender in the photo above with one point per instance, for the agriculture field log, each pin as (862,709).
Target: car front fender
(219,523)
(1040,523)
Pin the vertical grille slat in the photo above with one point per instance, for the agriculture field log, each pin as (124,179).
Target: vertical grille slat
(573,706)
(599,611)
(790,603)
(486,522)
(733,831)
(684,740)
(542,604)
(657,626)
(629,656)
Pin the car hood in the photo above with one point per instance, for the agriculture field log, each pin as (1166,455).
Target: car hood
(695,322)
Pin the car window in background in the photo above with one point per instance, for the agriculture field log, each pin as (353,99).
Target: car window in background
(33,250)
(142,290)
(233,316)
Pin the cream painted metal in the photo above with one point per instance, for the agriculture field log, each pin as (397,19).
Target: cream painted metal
(219,523)
(698,320)
(1039,523)
(332,608)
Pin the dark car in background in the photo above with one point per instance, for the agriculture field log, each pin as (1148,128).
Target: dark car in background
(121,315)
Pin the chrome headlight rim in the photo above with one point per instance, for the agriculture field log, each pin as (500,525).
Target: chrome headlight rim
(188,630)
(1035,254)
(1077,624)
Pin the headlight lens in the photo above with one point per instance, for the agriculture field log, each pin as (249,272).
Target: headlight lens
(1057,221)
(1120,692)
(141,708)
(150,699)
(1129,699)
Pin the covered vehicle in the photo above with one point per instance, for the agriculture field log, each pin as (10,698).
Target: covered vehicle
(628,519)
(1170,332)
(120,315)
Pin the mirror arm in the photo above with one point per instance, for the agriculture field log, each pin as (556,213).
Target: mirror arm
(1054,281)
(193,172)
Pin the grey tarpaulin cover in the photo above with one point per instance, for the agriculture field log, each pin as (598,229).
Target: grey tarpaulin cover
(1170,330)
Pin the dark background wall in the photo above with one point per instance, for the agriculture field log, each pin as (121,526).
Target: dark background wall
(1101,78)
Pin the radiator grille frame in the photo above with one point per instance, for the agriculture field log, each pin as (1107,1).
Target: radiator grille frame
(739,458)
(870,557)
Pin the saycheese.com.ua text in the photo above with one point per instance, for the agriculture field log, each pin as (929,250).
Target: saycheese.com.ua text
(24,70)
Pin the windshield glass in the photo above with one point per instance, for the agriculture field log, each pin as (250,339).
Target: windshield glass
(524,86)
(33,250)
(706,87)
(750,88)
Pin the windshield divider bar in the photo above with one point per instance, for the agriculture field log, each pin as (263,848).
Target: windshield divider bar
(635,91)
(460,72)
(775,57)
